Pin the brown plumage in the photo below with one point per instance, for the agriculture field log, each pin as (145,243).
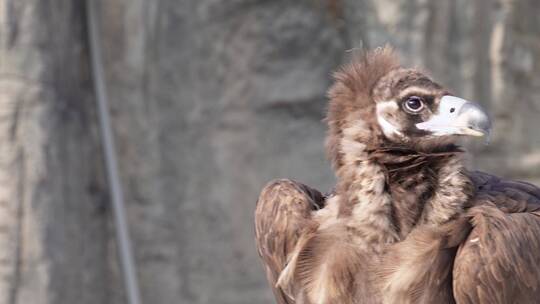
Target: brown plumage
(406,223)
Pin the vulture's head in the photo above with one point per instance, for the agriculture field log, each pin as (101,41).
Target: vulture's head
(375,103)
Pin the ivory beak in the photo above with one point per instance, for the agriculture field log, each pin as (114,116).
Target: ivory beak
(457,116)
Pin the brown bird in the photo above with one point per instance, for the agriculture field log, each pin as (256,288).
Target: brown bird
(406,223)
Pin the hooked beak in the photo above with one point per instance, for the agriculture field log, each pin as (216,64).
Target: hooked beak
(457,116)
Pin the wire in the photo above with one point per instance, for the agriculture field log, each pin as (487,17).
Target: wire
(122,232)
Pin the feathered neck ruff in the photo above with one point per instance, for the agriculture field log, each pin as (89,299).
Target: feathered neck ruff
(401,187)
(400,163)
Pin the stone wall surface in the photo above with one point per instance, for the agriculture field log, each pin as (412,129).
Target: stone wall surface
(210,100)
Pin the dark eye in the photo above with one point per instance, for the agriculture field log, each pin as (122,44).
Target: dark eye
(414,104)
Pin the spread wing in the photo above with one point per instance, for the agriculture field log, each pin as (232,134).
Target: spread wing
(282,216)
(500,260)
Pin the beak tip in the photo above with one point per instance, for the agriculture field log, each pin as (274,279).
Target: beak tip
(477,118)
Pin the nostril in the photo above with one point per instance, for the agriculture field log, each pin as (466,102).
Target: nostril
(452,110)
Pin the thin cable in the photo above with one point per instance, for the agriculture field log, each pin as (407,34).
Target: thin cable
(122,232)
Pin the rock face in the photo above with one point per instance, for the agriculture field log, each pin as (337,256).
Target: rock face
(210,100)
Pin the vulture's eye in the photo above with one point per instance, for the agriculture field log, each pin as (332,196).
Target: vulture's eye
(414,104)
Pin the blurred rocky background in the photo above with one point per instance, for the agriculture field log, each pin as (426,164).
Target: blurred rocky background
(211,99)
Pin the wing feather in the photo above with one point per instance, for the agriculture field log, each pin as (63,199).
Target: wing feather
(283,215)
(500,260)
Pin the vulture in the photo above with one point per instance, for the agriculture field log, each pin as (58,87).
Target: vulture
(406,221)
